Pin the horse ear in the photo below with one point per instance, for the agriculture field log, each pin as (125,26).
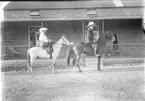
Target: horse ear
(62,36)
(144,30)
(107,32)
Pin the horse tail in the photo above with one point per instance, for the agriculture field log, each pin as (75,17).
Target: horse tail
(70,52)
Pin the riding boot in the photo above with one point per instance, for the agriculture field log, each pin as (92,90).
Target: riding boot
(51,50)
(50,55)
(97,47)
(96,51)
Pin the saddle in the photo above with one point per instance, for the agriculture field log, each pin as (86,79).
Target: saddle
(91,43)
(94,45)
(49,48)
(88,44)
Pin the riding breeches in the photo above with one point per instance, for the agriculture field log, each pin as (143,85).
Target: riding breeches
(47,46)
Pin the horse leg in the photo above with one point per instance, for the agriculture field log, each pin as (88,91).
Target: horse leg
(28,61)
(74,63)
(84,61)
(53,65)
(74,68)
(30,67)
(99,62)
(78,62)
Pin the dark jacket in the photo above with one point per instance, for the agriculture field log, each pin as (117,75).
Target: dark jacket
(90,35)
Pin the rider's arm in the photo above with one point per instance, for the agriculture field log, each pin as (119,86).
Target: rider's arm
(43,38)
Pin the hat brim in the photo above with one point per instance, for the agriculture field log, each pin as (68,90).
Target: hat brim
(42,30)
(90,25)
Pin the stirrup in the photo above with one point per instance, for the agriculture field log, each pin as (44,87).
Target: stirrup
(51,56)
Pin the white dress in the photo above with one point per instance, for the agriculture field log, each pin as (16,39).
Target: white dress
(43,38)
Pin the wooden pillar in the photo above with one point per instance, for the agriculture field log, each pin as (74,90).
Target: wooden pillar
(83,31)
(29,37)
(102,26)
(41,24)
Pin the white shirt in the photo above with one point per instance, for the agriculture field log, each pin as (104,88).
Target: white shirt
(42,37)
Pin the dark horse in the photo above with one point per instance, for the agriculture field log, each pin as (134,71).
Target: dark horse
(85,48)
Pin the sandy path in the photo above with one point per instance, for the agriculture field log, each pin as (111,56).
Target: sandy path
(118,85)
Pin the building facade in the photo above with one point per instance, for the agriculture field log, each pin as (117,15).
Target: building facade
(69,18)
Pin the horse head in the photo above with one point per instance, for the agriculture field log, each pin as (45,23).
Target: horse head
(110,36)
(65,41)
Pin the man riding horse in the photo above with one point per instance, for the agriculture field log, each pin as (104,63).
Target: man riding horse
(45,42)
(90,31)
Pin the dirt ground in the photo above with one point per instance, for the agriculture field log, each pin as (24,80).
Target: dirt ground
(107,85)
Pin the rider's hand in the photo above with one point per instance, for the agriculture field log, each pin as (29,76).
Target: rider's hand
(72,43)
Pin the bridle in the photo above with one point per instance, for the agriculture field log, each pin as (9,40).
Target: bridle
(63,38)
(106,36)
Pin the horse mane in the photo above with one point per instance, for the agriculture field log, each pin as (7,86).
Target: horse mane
(103,34)
(116,41)
(55,41)
(144,30)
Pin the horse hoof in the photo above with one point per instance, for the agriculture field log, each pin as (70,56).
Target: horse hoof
(80,71)
(31,73)
(54,72)
(99,69)
(74,71)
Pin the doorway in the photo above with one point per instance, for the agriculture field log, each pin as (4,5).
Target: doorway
(34,35)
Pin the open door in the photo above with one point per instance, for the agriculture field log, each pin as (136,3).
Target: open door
(34,35)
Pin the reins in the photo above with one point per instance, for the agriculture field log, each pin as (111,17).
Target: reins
(101,36)
(56,43)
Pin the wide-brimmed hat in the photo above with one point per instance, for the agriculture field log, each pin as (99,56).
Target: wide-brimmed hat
(90,23)
(42,29)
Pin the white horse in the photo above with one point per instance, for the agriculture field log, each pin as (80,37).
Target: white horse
(35,52)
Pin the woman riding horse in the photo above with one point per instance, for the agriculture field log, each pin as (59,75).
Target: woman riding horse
(45,42)
(38,52)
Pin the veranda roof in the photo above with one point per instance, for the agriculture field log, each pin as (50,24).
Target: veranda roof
(71,4)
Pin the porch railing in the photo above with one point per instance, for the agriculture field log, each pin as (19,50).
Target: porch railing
(19,52)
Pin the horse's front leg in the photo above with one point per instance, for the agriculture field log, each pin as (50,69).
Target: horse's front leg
(53,65)
(84,61)
(99,63)
(78,62)
(74,63)
(30,66)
